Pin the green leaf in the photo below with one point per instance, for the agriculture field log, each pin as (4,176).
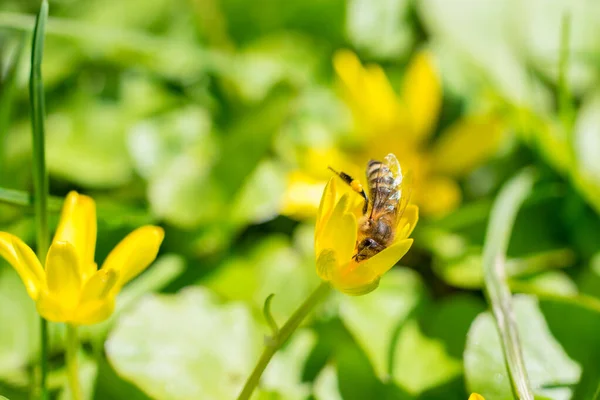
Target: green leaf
(284,373)
(586,138)
(86,143)
(373,319)
(259,198)
(420,362)
(547,363)
(326,385)
(20,324)
(378,27)
(428,351)
(271,266)
(185,346)
(576,328)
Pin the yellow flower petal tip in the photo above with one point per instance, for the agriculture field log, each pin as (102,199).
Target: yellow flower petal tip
(475,396)
(337,238)
(70,288)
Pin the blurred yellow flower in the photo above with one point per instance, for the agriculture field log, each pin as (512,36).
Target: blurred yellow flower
(335,243)
(403,124)
(475,396)
(71,289)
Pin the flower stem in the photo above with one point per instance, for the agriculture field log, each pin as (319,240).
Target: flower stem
(282,336)
(72,365)
(40,175)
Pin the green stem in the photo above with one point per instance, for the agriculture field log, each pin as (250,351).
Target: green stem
(72,365)
(504,212)
(40,175)
(282,336)
(579,300)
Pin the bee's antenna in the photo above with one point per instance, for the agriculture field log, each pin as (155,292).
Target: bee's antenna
(354,184)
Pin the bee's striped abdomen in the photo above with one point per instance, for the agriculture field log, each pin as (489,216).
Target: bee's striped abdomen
(381,185)
(379,176)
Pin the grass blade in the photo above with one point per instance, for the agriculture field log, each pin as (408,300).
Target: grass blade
(504,212)
(40,175)
(8,74)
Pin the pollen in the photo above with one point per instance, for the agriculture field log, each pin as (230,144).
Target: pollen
(356,186)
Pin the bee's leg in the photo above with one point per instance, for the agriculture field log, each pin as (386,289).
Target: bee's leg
(355,185)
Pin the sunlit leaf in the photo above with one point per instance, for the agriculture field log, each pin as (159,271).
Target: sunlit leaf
(549,368)
(373,320)
(185,346)
(19,332)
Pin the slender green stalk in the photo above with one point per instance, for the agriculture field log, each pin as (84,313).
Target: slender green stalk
(579,300)
(282,336)
(25,199)
(72,365)
(565,105)
(504,212)
(40,175)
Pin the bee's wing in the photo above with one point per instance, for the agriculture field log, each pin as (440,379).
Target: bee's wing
(404,191)
(402,186)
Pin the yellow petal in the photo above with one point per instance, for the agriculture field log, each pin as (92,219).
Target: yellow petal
(326,205)
(437,196)
(77,225)
(383,261)
(475,396)
(134,253)
(99,285)
(354,279)
(24,261)
(52,308)
(410,219)
(369,93)
(338,232)
(62,274)
(422,94)
(350,70)
(93,312)
(302,196)
(381,100)
(466,144)
(326,264)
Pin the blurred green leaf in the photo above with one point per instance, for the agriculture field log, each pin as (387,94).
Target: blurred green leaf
(465,271)
(164,270)
(271,60)
(420,362)
(576,328)
(374,320)
(546,361)
(284,372)
(587,139)
(86,144)
(19,335)
(326,385)
(379,28)
(260,197)
(185,345)
(271,266)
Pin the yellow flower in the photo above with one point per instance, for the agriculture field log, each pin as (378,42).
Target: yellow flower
(404,123)
(71,288)
(475,396)
(336,234)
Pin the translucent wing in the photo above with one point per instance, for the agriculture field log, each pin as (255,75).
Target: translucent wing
(404,191)
(401,187)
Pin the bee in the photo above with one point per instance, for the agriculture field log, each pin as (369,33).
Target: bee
(389,192)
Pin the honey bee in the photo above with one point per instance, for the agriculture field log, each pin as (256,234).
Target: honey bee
(389,192)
